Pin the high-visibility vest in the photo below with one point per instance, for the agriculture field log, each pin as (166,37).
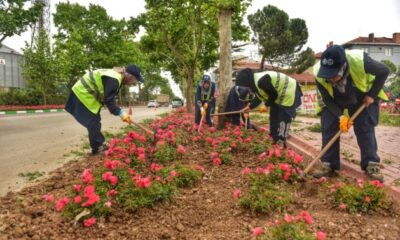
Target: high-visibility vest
(283,84)
(205,94)
(90,90)
(362,80)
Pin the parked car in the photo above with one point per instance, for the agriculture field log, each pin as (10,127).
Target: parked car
(153,103)
(177,103)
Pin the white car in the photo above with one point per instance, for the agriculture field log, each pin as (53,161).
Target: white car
(153,103)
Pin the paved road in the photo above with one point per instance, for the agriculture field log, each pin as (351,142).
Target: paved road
(44,142)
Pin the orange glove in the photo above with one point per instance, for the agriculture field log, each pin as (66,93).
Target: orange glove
(246,115)
(126,117)
(203,111)
(263,109)
(345,124)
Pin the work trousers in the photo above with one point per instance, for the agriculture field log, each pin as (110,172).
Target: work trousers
(91,121)
(364,129)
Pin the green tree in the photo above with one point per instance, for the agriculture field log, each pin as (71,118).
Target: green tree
(184,34)
(15,17)
(39,66)
(303,61)
(392,84)
(279,38)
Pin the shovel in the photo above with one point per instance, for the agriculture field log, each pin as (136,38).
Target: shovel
(330,143)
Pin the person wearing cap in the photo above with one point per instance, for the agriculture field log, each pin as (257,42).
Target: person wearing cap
(204,99)
(238,98)
(346,79)
(279,92)
(92,91)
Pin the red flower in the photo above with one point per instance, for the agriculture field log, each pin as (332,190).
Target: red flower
(87,176)
(112,193)
(262,156)
(342,206)
(321,235)
(61,203)
(246,170)
(181,149)
(77,187)
(48,198)
(236,194)
(217,161)
(367,199)
(89,222)
(257,231)
(288,218)
(77,199)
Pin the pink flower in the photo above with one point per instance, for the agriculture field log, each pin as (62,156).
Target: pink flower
(48,198)
(246,171)
(113,180)
(77,187)
(142,157)
(298,159)
(306,216)
(108,204)
(257,231)
(209,140)
(321,235)
(342,206)
(87,176)
(262,156)
(89,222)
(181,149)
(288,218)
(214,154)
(91,200)
(236,194)
(217,161)
(61,203)
(377,183)
(322,180)
(112,193)
(77,199)
(367,199)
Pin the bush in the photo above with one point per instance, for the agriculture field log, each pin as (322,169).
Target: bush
(20,97)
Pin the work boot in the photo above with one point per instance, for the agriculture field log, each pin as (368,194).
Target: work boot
(326,171)
(102,149)
(373,171)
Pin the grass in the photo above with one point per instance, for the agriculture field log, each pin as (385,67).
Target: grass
(315,128)
(30,176)
(390,120)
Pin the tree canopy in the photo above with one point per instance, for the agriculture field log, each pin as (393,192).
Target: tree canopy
(278,37)
(15,17)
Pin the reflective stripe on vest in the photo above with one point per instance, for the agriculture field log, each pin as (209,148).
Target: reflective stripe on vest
(283,84)
(362,80)
(90,90)
(206,93)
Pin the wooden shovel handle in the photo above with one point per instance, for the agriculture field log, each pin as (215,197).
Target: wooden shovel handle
(146,130)
(332,141)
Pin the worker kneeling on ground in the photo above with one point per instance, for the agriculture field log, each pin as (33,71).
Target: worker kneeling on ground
(94,89)
(238,98)
(280,92)
(346,80)
(204,100)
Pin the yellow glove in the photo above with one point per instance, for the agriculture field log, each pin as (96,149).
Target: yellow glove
(263,109)
(205,105)
(203,111)
(345,124)
(246,115)
(125,117)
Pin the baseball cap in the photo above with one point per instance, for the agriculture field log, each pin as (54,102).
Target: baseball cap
(332,60)
(135,71)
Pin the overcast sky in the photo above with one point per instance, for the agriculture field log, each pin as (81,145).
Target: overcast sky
(327,20)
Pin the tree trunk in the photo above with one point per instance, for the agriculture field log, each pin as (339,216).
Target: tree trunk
(225,61)
(262,63)
(189,91)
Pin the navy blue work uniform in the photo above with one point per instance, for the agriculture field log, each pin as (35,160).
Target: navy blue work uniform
(348,96)
(238,99)
(91,121)
(204,96)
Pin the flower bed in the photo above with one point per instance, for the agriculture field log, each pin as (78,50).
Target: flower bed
(21,108)
(216,184)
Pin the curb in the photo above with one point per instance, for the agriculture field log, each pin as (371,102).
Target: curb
(347,169)
(30,111)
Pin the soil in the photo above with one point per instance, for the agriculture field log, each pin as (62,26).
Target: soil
(206,211)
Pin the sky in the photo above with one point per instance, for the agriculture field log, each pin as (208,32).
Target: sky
(327,20)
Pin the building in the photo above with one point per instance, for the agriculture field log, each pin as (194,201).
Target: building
(10,69)
(379,48)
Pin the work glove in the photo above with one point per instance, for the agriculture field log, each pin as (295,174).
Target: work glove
(205,105)
(125,117)
(246,109)
(345,123)
(263,109)
(203,111)
(246,115)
